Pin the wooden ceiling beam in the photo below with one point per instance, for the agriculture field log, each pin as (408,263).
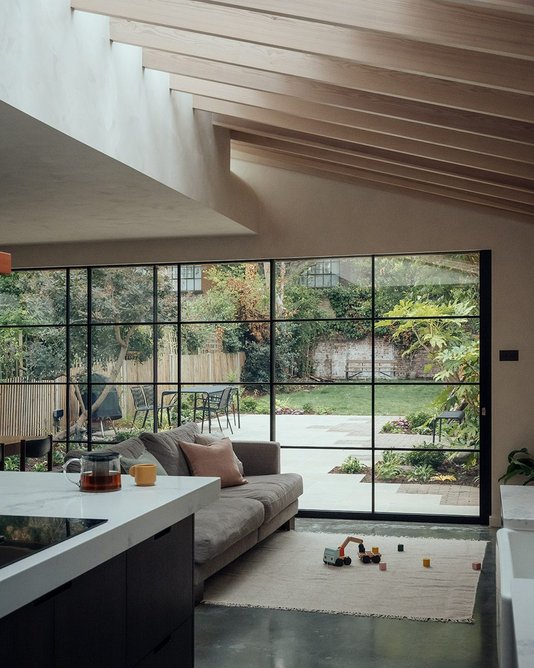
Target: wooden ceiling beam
(483,31)
(282,145)
(355,119)
(492,25)
(365,137)
(355,175)
(361,77)
(335,145)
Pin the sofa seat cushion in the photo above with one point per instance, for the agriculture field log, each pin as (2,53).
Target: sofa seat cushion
(164,446)
(223,523)
(275,492)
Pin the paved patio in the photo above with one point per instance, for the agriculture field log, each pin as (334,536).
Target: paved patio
(325,491)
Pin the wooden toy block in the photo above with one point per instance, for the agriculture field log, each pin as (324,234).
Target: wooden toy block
(426,562)
(400,547)
(375,550)
(476,566)
(383,566)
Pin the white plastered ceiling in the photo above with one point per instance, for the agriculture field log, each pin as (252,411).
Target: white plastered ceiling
(54,189)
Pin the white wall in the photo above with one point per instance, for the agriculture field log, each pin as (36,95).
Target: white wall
(80,84)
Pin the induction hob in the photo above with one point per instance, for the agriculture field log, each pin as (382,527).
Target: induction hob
(23,535)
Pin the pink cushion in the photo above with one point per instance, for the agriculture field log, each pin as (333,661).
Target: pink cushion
(215,460)
(208,439)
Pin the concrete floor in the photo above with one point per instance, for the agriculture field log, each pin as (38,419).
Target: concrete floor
(259,638)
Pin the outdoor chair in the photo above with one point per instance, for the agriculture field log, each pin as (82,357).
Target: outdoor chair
(457,415)
(141,404)
(215,403)
(234,404)
(35,448)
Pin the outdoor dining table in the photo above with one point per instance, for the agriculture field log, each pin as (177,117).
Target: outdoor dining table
(202,390)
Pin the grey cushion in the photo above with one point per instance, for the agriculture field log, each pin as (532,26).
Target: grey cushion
(275,492)
(132,447)
(223,523)
(164,447)
(145,458)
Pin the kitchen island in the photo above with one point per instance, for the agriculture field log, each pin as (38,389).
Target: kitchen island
(119,594)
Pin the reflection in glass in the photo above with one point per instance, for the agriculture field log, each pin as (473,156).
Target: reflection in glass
(332,288)
(167,354)
(427,285)
(325,488)
(323,351)
(123,352)
(412,416)
(223,292)
(428,350)
(324,415)
(33,297)
(427,481)
(78,296)
(32,353)
(122,294)
(226,353)
(167,294)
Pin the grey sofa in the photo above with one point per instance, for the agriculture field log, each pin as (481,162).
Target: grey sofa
(243,515)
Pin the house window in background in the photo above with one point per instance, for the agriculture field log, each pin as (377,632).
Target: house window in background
(323,274)
(191,278)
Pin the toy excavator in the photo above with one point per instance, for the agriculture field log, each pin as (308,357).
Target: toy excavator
(337,557)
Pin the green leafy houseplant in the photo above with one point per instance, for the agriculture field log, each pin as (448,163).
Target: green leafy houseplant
(519,463)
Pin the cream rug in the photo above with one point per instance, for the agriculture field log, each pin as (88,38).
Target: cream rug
(286,571)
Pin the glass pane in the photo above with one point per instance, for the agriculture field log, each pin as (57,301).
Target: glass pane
(427,349)
(323,351)
(223,292)
(226,353)
(427,481)
(78,296)
(326,487)
(324,415)
(78,352)
(413,416)
(331,288)
(123,353)
(32,353)
(28,408)
(122,294)
(427,285)
(33,297)
(168,294)
(167,354)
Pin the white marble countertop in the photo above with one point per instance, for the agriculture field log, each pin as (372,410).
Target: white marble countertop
(133,513)
(517,507)
(522,597)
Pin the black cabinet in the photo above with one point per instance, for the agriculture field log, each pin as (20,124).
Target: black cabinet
(27,635)
(90,624)
(160,588)
(133,610)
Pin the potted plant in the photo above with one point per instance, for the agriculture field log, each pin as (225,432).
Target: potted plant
(519,463)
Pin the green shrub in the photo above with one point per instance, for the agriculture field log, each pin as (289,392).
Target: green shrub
(426,454)
(387,470)
(352,465)
(248,404)
(420,422)
(423,473)
(308,409)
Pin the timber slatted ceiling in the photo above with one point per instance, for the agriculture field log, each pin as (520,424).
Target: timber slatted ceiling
(434,96)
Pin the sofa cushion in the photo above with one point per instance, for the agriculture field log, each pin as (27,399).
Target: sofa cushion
(210,439)
(275,492)
(217,460)
(164,447)
(131,447)
(224,523)
(144,458)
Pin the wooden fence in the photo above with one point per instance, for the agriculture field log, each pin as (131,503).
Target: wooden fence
(27,408)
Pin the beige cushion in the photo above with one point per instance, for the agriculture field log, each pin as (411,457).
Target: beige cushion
(210,439)
(214,460)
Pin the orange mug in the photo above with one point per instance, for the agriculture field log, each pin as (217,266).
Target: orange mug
(144,474)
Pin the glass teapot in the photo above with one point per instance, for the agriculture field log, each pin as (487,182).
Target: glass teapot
(99,471)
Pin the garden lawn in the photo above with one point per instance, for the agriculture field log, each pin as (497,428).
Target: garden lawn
(391,399)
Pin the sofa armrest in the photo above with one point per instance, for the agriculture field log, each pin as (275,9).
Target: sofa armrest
(258,457)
